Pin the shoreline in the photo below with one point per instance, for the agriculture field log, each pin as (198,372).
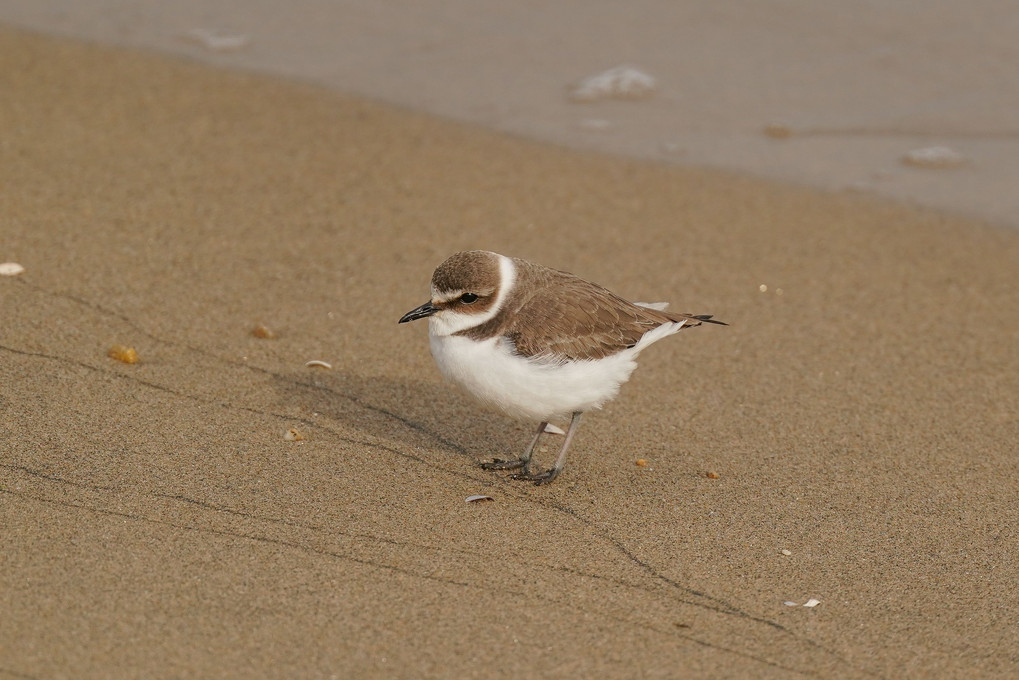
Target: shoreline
(745,87)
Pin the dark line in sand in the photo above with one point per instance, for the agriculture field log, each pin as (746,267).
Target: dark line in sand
(360,536)
(417,427)
(221,404)
(60,480)
(723,608)
(325,529)
(380,565)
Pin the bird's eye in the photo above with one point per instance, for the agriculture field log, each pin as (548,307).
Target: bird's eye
(468,298)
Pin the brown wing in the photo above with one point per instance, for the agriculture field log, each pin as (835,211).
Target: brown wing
(568,318)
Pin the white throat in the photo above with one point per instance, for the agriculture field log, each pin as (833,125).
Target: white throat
(447,322)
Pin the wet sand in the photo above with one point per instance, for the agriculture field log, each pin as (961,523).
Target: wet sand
(859,413)
(825,93)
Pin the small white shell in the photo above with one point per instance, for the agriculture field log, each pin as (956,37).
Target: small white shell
(217,41)
(787,552)
(478,497)
(621,82)
(934,157)
(552,429)
(790,603)
(10,269)
(811,603)
(315,363)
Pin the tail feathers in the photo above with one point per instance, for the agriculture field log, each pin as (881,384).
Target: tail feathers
(693,319)
(706,318)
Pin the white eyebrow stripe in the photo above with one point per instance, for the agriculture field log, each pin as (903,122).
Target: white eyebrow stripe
(447,296)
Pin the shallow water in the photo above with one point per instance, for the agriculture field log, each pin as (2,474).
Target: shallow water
(853,87)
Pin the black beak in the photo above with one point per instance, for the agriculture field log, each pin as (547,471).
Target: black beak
(419,312)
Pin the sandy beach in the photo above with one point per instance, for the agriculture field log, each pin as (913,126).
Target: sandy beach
(859,414)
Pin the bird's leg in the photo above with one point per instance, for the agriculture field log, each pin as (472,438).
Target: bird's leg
(523,461)
(553,472)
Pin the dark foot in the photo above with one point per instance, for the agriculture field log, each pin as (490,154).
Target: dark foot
(538,478)
(500,464)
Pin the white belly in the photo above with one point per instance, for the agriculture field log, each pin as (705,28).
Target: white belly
(535,390)
(528,389)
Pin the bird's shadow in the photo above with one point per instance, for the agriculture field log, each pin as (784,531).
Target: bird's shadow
(405,411)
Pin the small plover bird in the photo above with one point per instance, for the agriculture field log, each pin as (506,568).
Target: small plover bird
(536,343)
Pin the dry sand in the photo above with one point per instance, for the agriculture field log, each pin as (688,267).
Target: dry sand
(156,523)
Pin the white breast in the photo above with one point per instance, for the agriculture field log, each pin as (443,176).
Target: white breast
(530,389)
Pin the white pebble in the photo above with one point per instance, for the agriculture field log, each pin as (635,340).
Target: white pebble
(787,552)
(10,269)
